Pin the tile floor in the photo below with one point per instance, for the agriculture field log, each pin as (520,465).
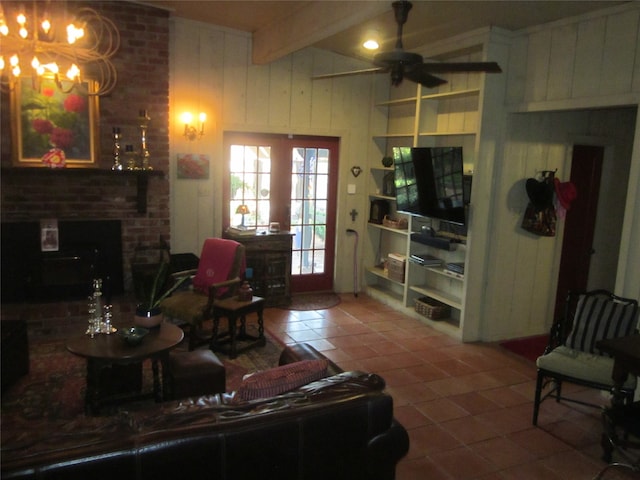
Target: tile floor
(467,407)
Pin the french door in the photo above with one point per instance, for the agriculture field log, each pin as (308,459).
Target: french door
(291,180)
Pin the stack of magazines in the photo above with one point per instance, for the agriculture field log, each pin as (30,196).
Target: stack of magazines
(425,260)
(456,267)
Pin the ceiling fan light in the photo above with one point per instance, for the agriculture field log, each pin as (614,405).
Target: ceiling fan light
(372,40)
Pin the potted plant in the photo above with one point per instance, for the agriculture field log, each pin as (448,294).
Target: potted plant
(148,312)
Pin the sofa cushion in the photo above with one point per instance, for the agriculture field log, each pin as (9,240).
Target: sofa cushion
(284,378)
(581,365)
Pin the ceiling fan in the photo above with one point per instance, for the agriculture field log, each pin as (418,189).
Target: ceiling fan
(402,64)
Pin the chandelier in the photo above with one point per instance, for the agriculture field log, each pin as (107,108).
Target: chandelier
(45,42)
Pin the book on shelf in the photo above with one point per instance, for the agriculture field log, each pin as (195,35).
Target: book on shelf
(425,260)
(457,267)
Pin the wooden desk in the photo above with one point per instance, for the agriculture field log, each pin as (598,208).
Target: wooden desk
(626,354)
(104,352)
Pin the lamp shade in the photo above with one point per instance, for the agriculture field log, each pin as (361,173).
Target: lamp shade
(242,209)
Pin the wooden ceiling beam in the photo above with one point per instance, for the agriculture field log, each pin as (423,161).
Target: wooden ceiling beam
(309,24)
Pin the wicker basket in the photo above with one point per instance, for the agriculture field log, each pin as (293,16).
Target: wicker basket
(400,224)
(432,309)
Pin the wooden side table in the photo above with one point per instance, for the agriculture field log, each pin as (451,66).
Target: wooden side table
(235,310)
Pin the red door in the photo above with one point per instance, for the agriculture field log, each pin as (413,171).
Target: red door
(291,180)
(577,244)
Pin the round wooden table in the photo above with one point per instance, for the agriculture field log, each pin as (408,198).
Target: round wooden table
(114,368)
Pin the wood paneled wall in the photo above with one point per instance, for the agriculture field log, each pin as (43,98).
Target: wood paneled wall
(576,81)
(212,72)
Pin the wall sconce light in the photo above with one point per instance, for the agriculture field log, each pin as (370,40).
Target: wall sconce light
(371,40)
(242,210)
(190,131)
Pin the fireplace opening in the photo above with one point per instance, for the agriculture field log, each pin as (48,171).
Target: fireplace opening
(83,250)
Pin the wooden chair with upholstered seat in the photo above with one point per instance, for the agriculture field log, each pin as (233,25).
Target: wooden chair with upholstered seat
(219,273)
(572,355)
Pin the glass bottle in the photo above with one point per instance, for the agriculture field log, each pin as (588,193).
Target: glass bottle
(91,309)
(97,299)
(107,324)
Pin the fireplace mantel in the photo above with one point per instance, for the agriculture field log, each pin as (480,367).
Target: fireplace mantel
(142,177)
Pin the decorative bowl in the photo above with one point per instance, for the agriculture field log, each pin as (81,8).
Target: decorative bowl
(133,335)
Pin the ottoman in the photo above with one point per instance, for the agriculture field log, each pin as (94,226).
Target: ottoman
(194,373)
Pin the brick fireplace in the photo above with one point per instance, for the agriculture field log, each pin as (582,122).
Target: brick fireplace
(96,193)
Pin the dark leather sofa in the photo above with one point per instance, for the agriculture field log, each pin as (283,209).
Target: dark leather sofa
(339,427)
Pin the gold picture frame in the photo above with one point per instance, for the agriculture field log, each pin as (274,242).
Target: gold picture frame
(45,120)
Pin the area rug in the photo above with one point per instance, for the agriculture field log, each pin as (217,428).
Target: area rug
(527,347)
(313,301)
(55,386)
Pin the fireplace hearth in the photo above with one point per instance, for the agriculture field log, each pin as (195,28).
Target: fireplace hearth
(84,250)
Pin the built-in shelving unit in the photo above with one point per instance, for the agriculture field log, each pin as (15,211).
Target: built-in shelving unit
(418,117)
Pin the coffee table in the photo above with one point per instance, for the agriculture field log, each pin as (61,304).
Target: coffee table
(110,360)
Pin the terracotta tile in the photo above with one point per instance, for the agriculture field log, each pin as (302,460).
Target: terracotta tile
(469,429)
(431,439)
(462,463)
(455,368)
(387,347)
(399,376)
(480,395)
(505,396)
(410,417)
(427,372)
(413,393)
(502,452)
(441,409)
(474,403)
(531,471)
(420,469)
(355,351)
(538,442)
(303,335)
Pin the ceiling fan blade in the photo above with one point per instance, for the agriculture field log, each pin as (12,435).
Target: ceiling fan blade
(453,67)
(419,75)
(352,72)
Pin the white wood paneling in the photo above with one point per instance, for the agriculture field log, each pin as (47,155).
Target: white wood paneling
(620,38)
(211,67)
(563,47)
(588,59)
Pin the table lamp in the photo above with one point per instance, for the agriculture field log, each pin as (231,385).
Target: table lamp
(242,210)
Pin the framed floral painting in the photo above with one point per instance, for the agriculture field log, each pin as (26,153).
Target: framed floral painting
(52,128)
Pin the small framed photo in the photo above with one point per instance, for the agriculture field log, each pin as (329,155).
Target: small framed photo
(193,166)
(49,240)
(53,128)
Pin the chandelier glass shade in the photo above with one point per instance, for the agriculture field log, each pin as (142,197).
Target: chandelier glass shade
(42,40)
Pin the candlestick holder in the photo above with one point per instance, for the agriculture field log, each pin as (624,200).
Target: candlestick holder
(117,136)
(143,122)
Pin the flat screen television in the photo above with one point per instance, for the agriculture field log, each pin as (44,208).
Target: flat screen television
(429,181)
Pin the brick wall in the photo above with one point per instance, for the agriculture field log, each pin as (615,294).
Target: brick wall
(142,63)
